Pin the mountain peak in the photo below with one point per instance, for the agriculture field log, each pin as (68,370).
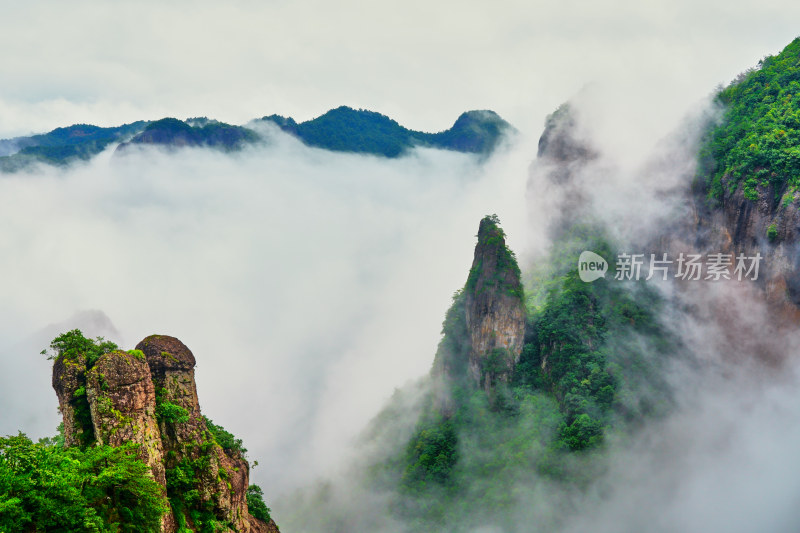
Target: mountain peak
(345,129)
(174,133)
(495,312)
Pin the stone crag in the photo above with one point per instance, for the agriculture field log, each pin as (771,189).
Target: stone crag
(495,312)
(122,405)
(484,330)
(148,396)
(737,225)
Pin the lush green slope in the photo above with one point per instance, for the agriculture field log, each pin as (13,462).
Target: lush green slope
(579,350)
(591,366)
(46,487)
(757,142)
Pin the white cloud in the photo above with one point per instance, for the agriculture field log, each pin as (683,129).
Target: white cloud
(308,284)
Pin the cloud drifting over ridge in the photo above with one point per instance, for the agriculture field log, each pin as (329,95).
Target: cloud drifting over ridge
(308,283)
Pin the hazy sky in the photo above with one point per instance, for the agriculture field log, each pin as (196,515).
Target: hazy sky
(418,61)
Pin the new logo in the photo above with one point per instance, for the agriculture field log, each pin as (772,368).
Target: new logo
(591,266)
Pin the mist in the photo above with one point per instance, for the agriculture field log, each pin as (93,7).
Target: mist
(723,459)
(309,284)
(720,459)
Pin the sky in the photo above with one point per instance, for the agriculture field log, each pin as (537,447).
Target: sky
(308,284)
(420,62)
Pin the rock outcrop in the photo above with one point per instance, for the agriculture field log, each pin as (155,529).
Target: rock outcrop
(562,143)
(737,225)
(222,484)
(122,404)
(69,382)
(484,330)
(495,311)
(148,396)
(562,172)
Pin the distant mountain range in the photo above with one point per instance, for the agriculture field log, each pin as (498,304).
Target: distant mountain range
(342,129)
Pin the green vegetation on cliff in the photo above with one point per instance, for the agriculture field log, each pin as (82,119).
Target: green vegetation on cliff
(504,270)
(225,439)
(256,505)
(73,344)
(580,346)
(590,366)
(183,479)
(757,142)
(45,487)
(158,452)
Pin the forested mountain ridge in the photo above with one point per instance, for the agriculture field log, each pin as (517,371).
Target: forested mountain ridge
(350,130)
(342,129)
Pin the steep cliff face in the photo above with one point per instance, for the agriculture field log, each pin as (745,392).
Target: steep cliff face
(743,199)
(222,483)
(559,171)
(483,331)
(495,312)
(122,405)
(148,396)
(739,225)
(69,382)
(561,142)
(747,186)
